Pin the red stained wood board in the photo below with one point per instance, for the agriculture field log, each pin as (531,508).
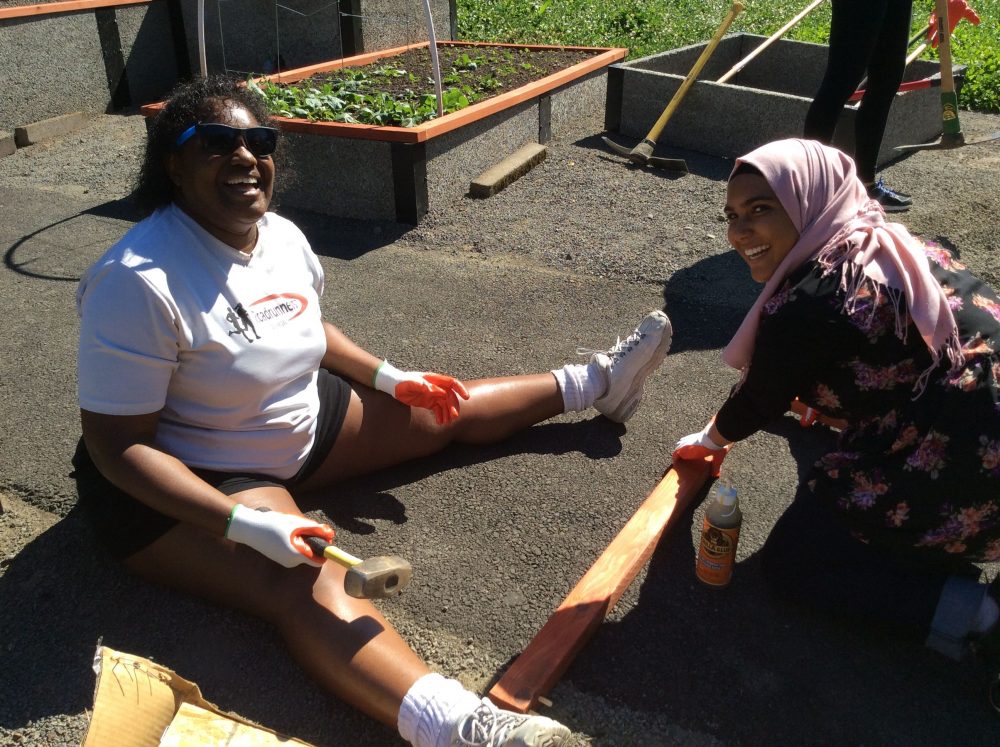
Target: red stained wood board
(552,650)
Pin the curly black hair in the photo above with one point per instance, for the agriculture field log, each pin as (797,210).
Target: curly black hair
(189,103)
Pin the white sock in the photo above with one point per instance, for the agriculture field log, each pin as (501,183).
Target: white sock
(987,617)
(431,708)
(581,384)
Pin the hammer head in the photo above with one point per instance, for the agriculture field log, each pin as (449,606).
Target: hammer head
(378,577)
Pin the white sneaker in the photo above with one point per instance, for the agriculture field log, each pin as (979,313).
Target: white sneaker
(489,726)
(627,365)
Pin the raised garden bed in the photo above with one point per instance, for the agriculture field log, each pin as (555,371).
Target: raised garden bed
(397,173)
(400,91)
(766,101)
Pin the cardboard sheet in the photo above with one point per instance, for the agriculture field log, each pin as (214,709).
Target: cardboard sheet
(139,703)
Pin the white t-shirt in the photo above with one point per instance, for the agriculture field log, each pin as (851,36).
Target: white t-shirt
(225,346)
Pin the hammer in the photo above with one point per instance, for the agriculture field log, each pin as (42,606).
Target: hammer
(374,578)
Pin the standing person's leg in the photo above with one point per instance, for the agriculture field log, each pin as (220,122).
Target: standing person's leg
(885,73)
(344,643)
(854,29)
(380,432)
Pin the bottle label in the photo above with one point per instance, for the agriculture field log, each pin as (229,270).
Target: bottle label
(716,554)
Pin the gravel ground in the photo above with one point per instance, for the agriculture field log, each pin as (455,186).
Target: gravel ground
(581,213)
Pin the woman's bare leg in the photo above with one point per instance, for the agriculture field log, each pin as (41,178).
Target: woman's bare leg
(498,408)
(380,432)
(342,642)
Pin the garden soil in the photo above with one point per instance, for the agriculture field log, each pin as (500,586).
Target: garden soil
(572,253)
(359,93)
(505,69)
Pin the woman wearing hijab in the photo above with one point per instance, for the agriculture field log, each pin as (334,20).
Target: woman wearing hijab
(867,323)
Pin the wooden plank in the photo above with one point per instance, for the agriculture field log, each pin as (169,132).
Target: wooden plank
(552,650)
(67,6)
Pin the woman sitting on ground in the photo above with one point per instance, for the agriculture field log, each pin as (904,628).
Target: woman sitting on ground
(863,321)
(210,386)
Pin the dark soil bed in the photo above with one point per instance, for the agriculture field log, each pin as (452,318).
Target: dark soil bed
(497,69)
(400,90)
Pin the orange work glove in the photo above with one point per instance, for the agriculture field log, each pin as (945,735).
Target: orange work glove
(957,10)
(277,535)
(699,446)
(431,391)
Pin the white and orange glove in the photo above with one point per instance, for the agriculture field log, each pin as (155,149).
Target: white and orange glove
(957,10)
(277,535)
(699,446)
(431,391)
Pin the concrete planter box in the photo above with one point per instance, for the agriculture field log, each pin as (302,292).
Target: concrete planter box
(399,173)
(83,55)
(104,55)
(765,101)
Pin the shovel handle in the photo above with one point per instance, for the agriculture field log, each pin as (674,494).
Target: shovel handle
(949,99)
(654,133)
(771,40)
(944,46)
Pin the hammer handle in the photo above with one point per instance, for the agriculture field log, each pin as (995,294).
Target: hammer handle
(331,552)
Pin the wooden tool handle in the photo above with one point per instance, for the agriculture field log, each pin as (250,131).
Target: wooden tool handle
(950,125)
(769,41)
(654,133)
(944,46)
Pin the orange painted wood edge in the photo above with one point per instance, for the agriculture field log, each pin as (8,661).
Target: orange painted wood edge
(436,127)
(554,647)
(67,6)
(299,73)
(810,416)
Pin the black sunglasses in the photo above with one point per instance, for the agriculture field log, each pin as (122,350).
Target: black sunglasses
(221,140)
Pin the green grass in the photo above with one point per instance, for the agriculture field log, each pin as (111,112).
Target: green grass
(650,26)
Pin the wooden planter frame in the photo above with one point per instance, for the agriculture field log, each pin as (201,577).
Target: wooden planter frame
(66,6)
(421,133)
(411,149)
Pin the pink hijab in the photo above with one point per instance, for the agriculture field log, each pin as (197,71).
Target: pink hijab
(830,208)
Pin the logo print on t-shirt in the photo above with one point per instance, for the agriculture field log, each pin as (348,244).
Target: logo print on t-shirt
(278,307)
(240,319)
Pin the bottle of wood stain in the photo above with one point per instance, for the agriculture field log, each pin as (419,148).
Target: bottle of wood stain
(719,535)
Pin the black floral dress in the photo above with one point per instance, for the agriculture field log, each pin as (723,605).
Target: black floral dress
(919,474)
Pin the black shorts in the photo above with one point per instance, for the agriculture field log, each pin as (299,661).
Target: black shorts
(125,525)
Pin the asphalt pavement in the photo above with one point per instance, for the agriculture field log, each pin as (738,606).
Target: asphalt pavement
(497,535)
